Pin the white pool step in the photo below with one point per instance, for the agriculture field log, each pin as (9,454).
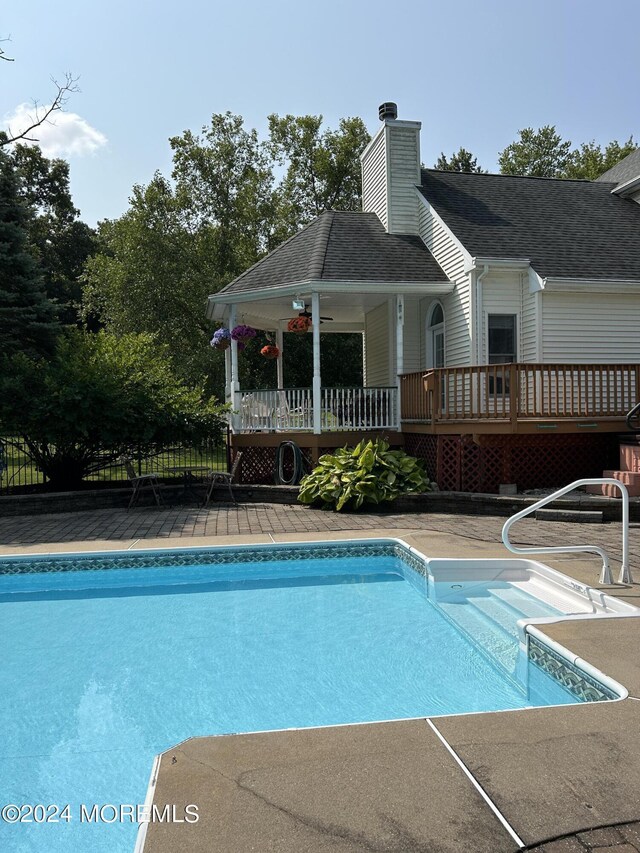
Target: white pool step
(489,617)
(498,643)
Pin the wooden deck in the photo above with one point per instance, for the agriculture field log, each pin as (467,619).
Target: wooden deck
(520,398)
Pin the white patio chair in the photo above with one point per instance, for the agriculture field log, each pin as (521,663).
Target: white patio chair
(255,415)
(223,477)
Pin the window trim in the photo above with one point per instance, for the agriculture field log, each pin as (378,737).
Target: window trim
(515,314)
(430,333)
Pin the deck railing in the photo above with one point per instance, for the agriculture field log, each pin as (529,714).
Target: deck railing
(516,392)
(291,409)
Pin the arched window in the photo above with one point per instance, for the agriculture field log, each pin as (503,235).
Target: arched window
(435,336)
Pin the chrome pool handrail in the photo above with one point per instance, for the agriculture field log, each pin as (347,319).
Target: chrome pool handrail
(605,574)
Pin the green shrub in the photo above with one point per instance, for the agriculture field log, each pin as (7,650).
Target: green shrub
(368,473)
(99,397)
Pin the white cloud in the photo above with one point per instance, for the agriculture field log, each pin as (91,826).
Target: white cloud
(65,134)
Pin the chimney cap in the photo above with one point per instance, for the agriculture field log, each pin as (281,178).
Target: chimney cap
(388,110)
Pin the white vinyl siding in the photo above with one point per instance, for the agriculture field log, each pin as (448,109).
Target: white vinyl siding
(413,352)
(374,178)
(376,325)
(501,294)
(528,323)
(591,327)
(457,305)
(404,173)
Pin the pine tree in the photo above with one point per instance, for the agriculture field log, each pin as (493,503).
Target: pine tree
(27,318)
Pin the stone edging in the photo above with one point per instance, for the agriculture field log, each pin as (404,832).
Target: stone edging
(446,502)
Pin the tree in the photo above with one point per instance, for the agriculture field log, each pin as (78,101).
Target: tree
(322,168)
(59,240)
(182,240)
(41,113)
(27,318)
(224,186)
(153,273)
(538,153)
(589,161)
(463,161)
(100,396)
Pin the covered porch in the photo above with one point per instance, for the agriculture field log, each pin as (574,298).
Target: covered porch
(336,274)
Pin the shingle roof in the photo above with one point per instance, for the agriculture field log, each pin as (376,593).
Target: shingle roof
(568,229)
(626,170)
(342,246)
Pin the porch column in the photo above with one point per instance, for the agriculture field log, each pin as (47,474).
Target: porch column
(315,321)
(235,383)
(227,375)
(279,361)
(399,352)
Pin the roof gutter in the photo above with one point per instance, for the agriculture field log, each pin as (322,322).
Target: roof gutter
(498,263)
(302,288)
(627,188)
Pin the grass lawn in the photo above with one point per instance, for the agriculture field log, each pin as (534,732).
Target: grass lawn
(20,470)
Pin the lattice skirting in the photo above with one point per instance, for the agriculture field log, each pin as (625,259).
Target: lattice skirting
(459,464)
(258,464)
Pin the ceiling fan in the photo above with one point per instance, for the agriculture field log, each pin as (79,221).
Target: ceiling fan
(307,313)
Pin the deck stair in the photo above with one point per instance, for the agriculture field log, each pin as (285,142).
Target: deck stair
(628,473)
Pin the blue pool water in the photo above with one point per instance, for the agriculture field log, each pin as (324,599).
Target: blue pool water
(104,669)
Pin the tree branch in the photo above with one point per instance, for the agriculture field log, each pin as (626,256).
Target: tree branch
(42,114)
(3,54)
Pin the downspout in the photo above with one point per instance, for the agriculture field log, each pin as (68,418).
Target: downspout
(479,321)
(399,356)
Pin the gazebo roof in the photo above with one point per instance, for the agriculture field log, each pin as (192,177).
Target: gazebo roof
(340,246)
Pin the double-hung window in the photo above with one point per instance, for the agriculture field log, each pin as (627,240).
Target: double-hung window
(502,346)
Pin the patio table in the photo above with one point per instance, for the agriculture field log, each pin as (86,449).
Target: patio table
(191,476)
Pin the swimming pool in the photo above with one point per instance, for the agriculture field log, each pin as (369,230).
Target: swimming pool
(112,658)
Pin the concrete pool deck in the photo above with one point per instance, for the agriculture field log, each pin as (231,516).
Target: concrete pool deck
(565,779)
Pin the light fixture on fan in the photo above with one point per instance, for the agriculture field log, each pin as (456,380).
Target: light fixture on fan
(304,311)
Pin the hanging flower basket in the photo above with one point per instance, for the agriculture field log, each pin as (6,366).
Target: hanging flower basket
(270,351)
(221,339)
(243,334)
(299,325)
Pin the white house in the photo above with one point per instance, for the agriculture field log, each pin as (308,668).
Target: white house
(505,313)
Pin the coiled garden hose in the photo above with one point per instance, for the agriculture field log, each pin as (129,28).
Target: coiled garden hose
(299,467)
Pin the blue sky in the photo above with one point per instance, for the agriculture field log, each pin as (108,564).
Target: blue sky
(474,72)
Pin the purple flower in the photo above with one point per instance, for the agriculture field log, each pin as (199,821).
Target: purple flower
(221,339)
(243,333)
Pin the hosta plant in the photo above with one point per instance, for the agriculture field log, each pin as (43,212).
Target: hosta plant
(367,473)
